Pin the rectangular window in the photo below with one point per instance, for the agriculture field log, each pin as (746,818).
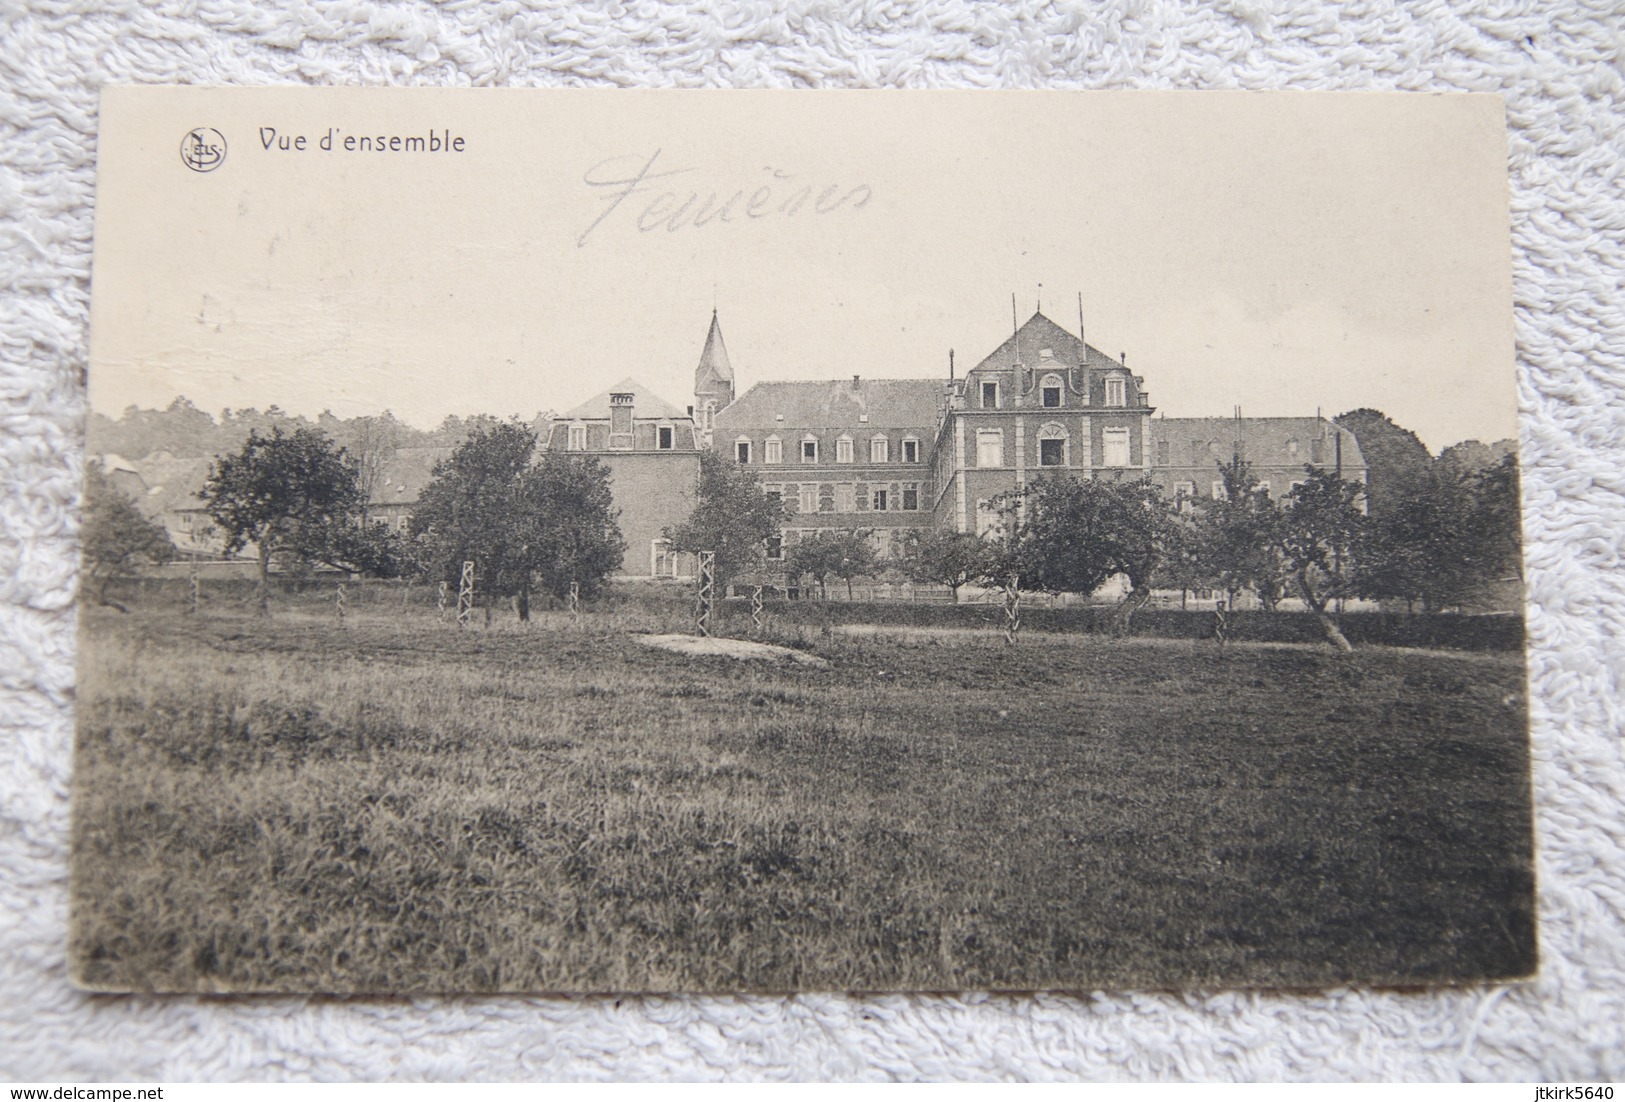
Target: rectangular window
(742,451)
(662,563)
(663,438)
(776,496)
(775,547)
(882,500)
(1051,453)
(911,499)
(879,450)
(1115,391)
(774,450)
(843,450)
(578,438)
(990,395)
(846,500)
(1052,397)
(989,448)
(987,518)
(809,451)
(911,451)
(1218,489)
(807,499)
(1184,494)
(1114,442)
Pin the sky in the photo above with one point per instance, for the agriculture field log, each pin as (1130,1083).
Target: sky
(1284,252)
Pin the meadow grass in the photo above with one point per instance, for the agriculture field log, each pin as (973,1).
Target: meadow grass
(397,804)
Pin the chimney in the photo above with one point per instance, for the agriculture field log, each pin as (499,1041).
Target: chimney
(854,382)
(950,365)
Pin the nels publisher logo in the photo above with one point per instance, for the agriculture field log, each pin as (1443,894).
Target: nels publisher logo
(203,149)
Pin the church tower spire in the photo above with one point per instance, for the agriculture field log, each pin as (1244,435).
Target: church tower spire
(713,379)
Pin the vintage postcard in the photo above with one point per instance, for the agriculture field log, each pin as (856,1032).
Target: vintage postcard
(590,541)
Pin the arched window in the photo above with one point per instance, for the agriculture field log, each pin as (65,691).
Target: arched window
(1051,391)
(1053,446)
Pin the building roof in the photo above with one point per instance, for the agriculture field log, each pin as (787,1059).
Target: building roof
(172,482)
(408,471)
(1027,345)
(1265,441)
(838,403)
(714,360)
(645,403)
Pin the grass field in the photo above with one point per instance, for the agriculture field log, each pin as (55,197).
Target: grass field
(397,804)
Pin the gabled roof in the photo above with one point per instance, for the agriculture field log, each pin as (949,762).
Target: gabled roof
(839,403)
(645,403)
(172,482)
(714,360)
(1265,440)
(404,476)
(1027,344)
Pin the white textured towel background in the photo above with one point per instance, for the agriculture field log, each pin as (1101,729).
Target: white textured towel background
(1560,67)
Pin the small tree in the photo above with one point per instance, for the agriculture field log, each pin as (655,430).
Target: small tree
(572,532)
(938,557)
(732,517)
(1494,529)
(486,502)
(117,538)
(1080,532)
(292,495)
(374,442)
(840,554)
(473,508)
(1236,537)
(1319,531)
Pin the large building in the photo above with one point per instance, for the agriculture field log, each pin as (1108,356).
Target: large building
(890,455)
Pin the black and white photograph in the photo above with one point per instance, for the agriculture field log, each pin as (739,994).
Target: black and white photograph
(562,541)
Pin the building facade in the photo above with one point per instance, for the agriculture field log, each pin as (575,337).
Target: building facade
(893,455)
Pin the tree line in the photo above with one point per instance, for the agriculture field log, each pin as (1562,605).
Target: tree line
(1436,535)
(1432,532)
(299,499)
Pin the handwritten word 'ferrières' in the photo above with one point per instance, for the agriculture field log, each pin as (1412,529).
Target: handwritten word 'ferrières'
(781,195)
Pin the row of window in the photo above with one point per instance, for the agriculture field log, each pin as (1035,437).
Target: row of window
(665,438)
(1051,392)
(1203,451)
(879,450)
(1054,447)
(847,496)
